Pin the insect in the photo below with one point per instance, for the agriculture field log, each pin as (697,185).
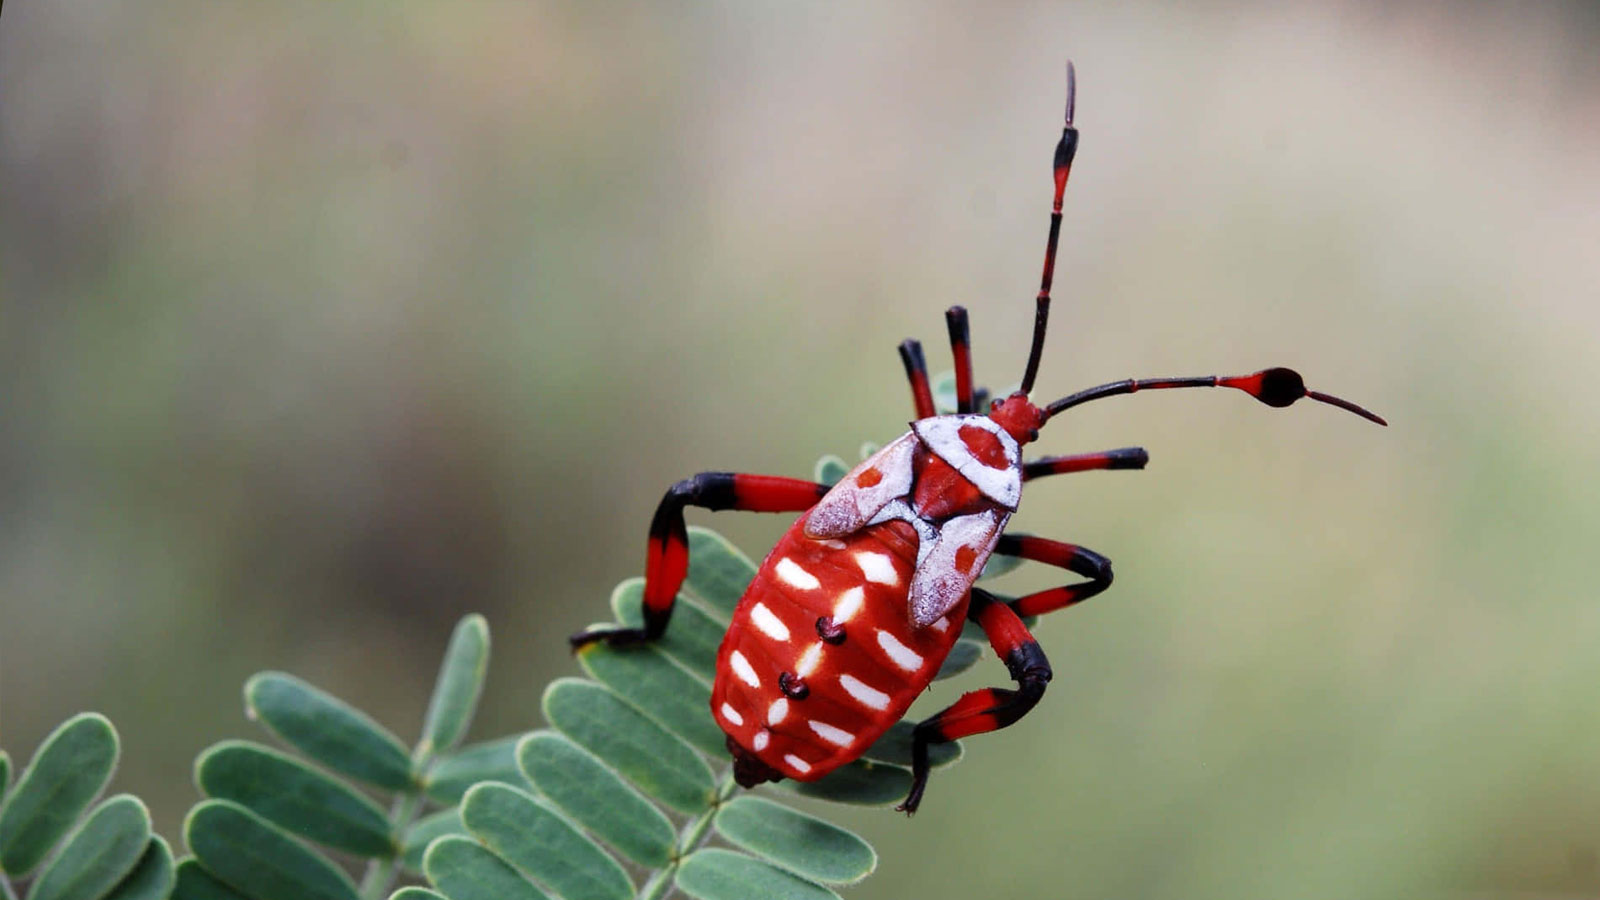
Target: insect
(850,616)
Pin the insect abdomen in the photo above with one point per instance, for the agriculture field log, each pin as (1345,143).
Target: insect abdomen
(821,657)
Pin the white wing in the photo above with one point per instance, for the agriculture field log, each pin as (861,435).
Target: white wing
(940,580)
(852,504)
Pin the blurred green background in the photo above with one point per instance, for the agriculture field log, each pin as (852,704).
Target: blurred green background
(324,324)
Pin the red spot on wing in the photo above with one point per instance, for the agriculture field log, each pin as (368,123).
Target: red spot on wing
(965,557)
(869,478)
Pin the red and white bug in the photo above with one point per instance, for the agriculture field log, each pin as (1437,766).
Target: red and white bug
(851,614)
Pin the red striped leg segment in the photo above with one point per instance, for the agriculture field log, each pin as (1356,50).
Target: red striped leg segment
(990,709)
(917,373)
(667,557)
(961,349)
(1071,557)
(1124,458)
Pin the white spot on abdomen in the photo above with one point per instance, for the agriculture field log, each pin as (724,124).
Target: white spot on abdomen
(877,567)
(745,671)
(778,711)
(799,764)
(864,693)
(759,742)
(790,572)
(732,715)
(903,656)
(769,623)
(848,605)
(808,660)
(836,736)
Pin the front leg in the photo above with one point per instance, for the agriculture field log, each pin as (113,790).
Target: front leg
(667,555)
(990,709)
(1123,458)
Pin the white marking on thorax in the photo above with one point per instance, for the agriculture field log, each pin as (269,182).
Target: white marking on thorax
(778,711)
(743,669)
(848,604)
(903,656)
(808,660)
(770,624)
(877,567)
(942,625)
(798,764)
(831,734)
(865,694)
(789,571)
(732,715)
(942,434)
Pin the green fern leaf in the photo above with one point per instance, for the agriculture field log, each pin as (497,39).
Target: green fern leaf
(69,770)
(271,817)
(109,855)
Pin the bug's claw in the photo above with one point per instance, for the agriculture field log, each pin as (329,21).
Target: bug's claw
(613,637)
(919,783)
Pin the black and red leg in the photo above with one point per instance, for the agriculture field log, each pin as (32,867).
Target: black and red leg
(1073,558)
(990,709)
(1122,458)
(917,373)
(667,557)
(955,319)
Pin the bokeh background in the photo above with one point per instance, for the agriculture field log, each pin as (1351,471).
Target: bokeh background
(324,324)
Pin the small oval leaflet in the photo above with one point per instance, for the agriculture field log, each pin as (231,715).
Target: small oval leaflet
(536,840)
(655,760)
(455,694)
(193,882)
(287,792)
(67,772)
(803,844)
(596,797)
(717,874)
(328,730)
(278,867)
(152,876)
(97,856)
(645,678)
(464,870)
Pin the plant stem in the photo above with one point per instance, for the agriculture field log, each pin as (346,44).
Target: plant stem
(380,872)
(5,887)
(659,885)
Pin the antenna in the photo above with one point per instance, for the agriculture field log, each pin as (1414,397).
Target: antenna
(1066,149)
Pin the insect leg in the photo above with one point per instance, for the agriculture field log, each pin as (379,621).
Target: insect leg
(917,373)
(990,709)
(1071,557)
(1123,458)
(667,557)
(961,348)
